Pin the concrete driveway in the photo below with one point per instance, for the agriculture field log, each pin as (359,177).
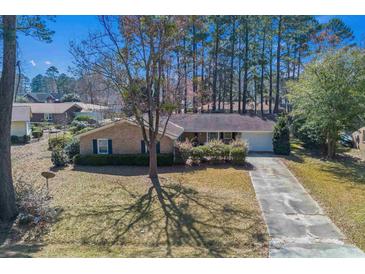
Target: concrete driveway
(297,225)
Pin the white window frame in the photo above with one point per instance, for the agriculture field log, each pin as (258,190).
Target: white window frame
(208,139)
(229,138)
(48,117)
(107,146)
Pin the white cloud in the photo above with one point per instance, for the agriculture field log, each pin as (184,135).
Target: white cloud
(48,63)
(33,63)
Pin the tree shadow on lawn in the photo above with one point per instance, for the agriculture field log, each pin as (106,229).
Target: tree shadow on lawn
(188,219)
(142,170)
(342,166)
(347,167)
(11,250)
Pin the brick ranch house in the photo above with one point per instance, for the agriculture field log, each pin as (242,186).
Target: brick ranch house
(61,113)
(125,136)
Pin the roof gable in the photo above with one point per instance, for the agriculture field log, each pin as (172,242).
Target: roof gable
(21,113)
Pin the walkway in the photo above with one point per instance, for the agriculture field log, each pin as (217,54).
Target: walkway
(297,225)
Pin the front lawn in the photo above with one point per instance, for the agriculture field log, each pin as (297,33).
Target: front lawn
(338,185)
(113,212)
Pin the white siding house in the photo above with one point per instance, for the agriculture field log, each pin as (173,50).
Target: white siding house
(20,121)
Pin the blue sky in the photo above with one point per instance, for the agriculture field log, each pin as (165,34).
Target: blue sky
(37,56)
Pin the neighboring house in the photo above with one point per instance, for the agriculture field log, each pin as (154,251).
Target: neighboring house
(20,121)
(125,136)
(59,113)
(40,97)
(359,138)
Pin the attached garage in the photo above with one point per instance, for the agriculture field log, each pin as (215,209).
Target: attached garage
(258,141)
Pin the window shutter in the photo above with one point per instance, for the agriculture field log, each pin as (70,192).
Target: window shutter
(234,135)
(143,147)
(95,146)
(158,148)
(110,146)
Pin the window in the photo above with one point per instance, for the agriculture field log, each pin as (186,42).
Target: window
(363,136)
(48,116)
(227,135)
(213,136)
(103,146)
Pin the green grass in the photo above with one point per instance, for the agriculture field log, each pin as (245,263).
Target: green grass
(113,212)
(338,185)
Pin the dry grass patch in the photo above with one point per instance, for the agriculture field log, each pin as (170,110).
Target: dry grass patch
(339,186)
(113,212)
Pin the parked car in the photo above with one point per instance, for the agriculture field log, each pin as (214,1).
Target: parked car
(346,140)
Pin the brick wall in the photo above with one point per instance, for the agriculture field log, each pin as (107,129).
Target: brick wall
(126,139)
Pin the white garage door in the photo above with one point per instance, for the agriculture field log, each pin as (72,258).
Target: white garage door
(258,141)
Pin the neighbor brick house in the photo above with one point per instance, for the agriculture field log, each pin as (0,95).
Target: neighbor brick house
(62,113)
(125,136)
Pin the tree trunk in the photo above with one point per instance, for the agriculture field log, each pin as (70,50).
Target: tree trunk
(245,78)
(239,78)
(278,58)
(299,60)
(232,62)
(262,74)
(194,49)
(215,71)
(270,78)
(8,209)
(331,145)
(152,172)
(185,80)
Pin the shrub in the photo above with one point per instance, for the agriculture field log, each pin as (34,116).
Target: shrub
(59,141)
(238,155)
(26,139)
(281,137)
(197,154)
(183,151)
(76,132)
(217,150)
(35,211)
(37,132)
(72,148)
(85,118)
(122,159)
(79,124)
(14,139)
(59,157)
(19,140)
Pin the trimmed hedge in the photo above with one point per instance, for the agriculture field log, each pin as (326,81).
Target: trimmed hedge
(215,152)
(122,159)
(19,140)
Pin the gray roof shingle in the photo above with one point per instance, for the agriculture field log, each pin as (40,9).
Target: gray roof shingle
(222,122)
